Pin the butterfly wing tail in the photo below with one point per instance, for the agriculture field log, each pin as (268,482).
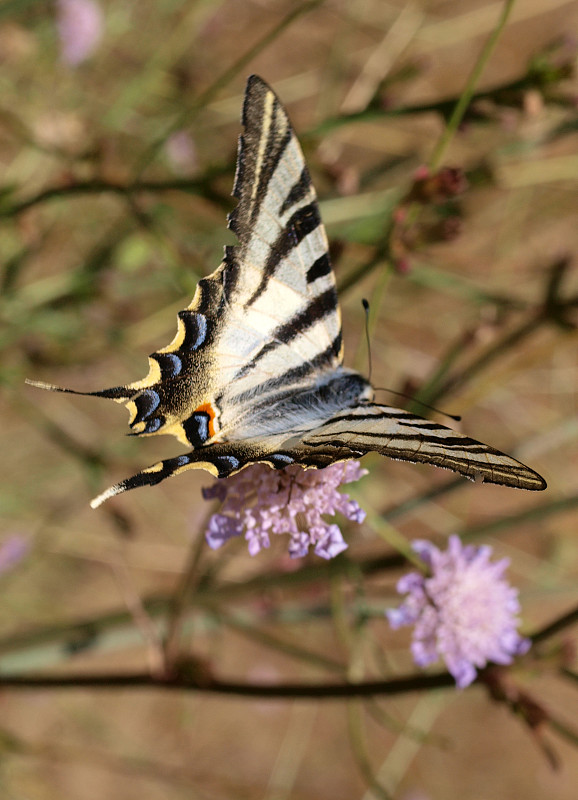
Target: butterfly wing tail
(216,459)
(118,393)
(218,466)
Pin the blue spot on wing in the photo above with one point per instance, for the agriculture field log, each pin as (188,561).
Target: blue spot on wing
(170,364)
(195,329)
(196,428)
(153,425)
(226,465)
(202,421)
(146,402)
(280,460)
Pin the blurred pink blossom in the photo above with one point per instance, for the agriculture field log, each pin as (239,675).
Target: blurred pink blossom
(80,25)
(12,550)
(181,152)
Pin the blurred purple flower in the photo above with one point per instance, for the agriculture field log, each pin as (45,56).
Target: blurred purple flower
(12,550)
(260,501)
(181,152)
(80,24)
(465,612)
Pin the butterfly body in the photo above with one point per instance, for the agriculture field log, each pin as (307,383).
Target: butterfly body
(255,371)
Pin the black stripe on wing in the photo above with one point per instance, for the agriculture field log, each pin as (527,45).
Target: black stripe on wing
(290,377)
(303,222)
(298,191)
(320,307)
(319,268)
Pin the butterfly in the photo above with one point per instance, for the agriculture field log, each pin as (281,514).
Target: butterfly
(255,371)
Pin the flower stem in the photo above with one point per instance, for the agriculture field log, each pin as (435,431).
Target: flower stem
(181,599)
(359,747)
(558,625)
(466,96)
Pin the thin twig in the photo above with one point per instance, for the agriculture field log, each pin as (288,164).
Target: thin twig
(139,614)
(358,741)
(532,514)
(89,632)
(180,602)
(560,624)
(304,691)
(467,94)
(201,186)
(382,251)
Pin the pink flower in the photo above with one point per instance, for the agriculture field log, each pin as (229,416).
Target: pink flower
(465,612)
(181,152)
(80,25)
(12,551)
(261,501)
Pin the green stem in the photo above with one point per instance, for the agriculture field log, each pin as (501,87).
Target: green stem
(563,730)
(358,742)
(532,514)
(466,96)
(413,503)
(568,673)
(444,107)
(54,644)
(180,602)
(437,389)
(289,649)
(380,255)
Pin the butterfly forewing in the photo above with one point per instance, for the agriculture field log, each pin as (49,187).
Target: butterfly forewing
(267,320)
(282,325)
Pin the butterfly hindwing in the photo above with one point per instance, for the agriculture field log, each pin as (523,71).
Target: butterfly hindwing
(401,435)
(349,434)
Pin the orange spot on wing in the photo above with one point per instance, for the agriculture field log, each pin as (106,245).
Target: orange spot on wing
(209,409)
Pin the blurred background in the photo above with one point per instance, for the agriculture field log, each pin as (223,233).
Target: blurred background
(118,135)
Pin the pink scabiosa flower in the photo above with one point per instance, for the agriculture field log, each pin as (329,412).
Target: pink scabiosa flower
(80,26)
(181,152)
(260,501)
(12,551)
(464,612)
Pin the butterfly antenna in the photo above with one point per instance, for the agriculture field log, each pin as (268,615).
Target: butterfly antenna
(455,417)
(365,304)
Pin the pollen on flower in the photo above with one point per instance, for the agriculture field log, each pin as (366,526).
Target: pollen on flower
(464,612)
(260,501)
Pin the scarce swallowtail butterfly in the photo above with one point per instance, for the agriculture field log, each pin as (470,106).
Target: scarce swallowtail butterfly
(255,372)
